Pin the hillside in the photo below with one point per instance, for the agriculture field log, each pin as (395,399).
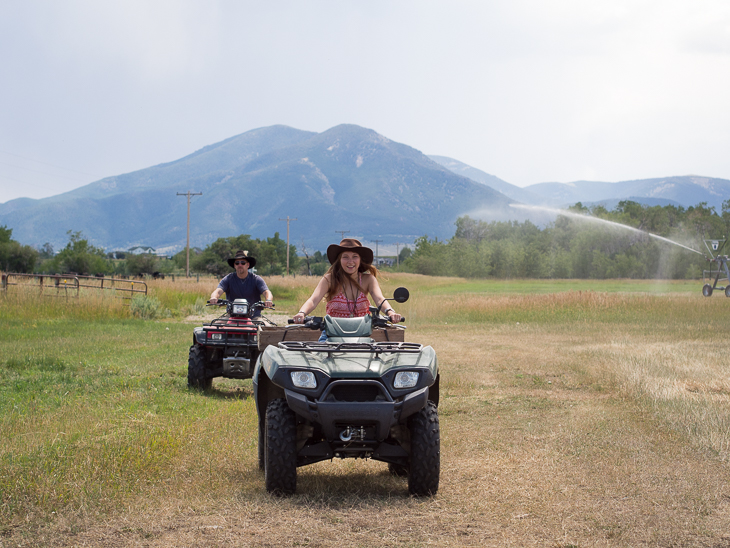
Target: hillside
(686,191)
(347,178)
(680,191)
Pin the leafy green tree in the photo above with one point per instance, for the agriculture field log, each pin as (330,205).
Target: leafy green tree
(142,263)
(572,247)
(79,257)
(46,251)
(15,257)
(270,255)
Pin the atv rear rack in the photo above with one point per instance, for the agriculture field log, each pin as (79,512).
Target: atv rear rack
(362,347)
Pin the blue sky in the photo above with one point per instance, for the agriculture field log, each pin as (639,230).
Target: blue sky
(529,91)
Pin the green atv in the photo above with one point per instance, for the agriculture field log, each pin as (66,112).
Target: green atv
(348,397)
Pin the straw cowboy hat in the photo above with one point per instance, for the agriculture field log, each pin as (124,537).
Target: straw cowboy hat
(242,255)
(350,244)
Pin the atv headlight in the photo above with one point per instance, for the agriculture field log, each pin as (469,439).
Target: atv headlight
(216,336)
(303,379)
(405,379)
(240,309)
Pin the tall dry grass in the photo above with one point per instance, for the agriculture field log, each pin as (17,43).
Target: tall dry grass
(685,382)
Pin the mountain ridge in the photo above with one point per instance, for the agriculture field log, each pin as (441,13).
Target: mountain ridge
(346,178)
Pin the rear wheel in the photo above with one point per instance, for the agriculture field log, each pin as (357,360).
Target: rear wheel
(423,474)
(280,456)
(196,369)
(727,291)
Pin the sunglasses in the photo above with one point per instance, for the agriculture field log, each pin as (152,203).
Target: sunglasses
(240,262)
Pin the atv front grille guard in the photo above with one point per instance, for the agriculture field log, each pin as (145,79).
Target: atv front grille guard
(377,348)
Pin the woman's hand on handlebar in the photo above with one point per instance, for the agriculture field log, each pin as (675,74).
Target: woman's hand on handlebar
(393,316)
(299,317)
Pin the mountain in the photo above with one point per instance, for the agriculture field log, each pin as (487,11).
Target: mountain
(511,191)
(678,191)
(686,191)
(347,178)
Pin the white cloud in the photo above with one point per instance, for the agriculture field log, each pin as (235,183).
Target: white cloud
(528,90)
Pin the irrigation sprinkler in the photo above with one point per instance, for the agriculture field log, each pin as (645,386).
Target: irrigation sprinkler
(715,248)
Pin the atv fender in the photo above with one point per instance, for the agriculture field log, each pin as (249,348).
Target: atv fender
(413,403)
(264,390)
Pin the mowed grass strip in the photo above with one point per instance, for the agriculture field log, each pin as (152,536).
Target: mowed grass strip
(577,418)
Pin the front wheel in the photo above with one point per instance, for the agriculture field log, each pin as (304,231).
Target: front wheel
(280,457)
(196,369)
(727,290)
(425,466)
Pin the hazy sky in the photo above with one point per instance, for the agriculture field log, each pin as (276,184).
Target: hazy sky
(529,91)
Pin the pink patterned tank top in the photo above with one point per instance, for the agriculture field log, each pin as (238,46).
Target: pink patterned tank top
(342,307)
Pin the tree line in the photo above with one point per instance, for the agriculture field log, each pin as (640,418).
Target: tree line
(578,244)
(81,257)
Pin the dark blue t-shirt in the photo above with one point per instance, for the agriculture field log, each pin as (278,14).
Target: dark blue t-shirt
(250,288)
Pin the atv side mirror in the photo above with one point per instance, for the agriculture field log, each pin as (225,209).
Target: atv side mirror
(401,295)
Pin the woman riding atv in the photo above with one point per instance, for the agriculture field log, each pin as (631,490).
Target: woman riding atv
(347,283)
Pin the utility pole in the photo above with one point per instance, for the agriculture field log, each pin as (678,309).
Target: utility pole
(397,254)
(376,252)
(187,246)
(342,233)
(288,220)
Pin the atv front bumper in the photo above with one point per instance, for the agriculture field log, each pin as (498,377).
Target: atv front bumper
(336,414)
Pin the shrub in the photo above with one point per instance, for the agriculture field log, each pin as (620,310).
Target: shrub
(147,308)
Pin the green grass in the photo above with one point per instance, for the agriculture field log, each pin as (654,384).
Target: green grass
(539,287)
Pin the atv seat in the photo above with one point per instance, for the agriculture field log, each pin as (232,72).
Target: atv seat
(348,329)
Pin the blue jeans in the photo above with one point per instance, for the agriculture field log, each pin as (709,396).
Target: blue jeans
(323,336)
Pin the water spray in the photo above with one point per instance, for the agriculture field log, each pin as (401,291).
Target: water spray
(713,246)
(573,215)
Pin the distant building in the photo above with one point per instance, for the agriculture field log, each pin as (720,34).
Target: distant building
(387,261)
(141,249)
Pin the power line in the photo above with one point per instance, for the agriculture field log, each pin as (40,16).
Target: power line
(49,164)
(25,182)
(376,251)
(342,233)
(187,247)
(288,220)
(43,172)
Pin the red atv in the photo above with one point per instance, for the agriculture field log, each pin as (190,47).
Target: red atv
(227,346)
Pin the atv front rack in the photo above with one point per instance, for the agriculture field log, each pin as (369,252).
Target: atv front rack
(225,321)
(362,347)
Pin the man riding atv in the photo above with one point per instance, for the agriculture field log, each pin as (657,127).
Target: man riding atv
(228,345)
(243,284)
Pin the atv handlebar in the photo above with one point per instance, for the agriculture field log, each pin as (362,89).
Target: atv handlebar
(225,302)
(317,322)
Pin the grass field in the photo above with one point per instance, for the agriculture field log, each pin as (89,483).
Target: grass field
(573,413)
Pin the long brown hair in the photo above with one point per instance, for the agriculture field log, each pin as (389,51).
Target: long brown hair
(336,276)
